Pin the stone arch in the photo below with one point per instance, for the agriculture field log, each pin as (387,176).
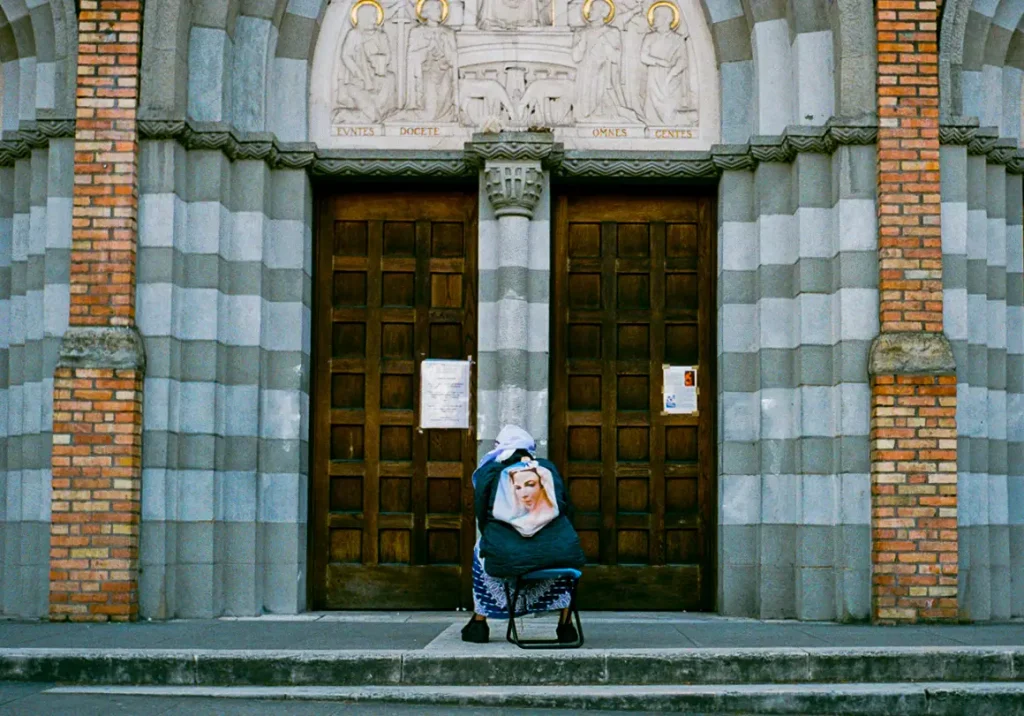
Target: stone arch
(37,51)
(164,72)
(247,64)
(290,68)
(854,49)
(190,72)
(981,56)
(801,61)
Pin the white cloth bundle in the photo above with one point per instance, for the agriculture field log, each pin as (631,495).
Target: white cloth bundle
(525,497)
(510,439)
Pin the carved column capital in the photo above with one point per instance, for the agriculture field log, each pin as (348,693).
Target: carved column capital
(513,187)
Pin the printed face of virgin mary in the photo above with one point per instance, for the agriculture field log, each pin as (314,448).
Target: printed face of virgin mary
(529,491)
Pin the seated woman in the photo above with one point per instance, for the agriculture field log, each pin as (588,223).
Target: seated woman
(523,515)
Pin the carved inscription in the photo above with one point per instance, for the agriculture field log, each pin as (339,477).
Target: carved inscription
(419,131)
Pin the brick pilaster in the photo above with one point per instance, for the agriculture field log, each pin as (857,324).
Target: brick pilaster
(914,528)
(913,386)
(97,410)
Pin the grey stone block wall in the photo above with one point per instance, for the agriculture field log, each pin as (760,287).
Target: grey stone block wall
(983,274)
(224,300)
(37,75)
(798,307)
(35,243)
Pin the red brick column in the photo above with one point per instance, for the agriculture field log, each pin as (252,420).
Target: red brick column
(913,380)
(97,408)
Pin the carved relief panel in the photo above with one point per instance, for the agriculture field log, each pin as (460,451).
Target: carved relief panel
(615,74)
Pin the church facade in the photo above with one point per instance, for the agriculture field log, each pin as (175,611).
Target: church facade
(233,231)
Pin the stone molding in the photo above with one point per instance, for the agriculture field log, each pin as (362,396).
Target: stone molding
(110,347)
(911,353)
(515,147)
(983,141)
(513,187)
(31,135)
(534,146)
(387,164)
(511,146)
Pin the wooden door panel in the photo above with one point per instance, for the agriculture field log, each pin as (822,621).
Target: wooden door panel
(633,290)
(393,525)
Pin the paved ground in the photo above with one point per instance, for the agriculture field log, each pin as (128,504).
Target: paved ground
(33,700)
(433,631)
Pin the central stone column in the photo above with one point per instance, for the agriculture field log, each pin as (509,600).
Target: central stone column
(514,279)
(513,189)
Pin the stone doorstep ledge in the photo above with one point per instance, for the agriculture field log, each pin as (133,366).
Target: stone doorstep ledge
(158,667)
(902,699)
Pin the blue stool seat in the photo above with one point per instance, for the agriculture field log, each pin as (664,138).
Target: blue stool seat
(512,598)
(554,573)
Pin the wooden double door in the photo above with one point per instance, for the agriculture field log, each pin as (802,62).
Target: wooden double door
(391,505)
(632,290)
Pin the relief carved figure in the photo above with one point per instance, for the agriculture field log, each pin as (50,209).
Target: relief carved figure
(665,54)
(622,63)
(510,14)
(597,51)
(630,17)
(432,72)
(365,80)
(516,97)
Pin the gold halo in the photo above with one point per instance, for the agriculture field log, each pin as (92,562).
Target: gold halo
(663,3)
(588,4)
(353,15)
(419,10)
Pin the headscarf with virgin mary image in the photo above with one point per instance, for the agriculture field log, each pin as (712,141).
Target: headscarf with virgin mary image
(525,497)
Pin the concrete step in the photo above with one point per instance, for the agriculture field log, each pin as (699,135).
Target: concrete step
(467,667)
(896,699)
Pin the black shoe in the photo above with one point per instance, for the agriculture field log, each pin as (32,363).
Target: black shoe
(476,632)
(567,633)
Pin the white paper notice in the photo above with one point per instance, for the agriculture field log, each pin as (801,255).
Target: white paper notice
(444,394)
(680,389)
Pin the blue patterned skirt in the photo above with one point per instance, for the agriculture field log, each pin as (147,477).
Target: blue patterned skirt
(489,593)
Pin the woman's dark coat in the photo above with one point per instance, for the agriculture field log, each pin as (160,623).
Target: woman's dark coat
(506,553)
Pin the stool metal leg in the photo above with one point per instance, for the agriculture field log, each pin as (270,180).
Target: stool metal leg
(574,613)
(512,634)
(511,600)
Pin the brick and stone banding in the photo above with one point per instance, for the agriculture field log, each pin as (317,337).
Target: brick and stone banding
(97,421)
(913,384)
(795,509)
